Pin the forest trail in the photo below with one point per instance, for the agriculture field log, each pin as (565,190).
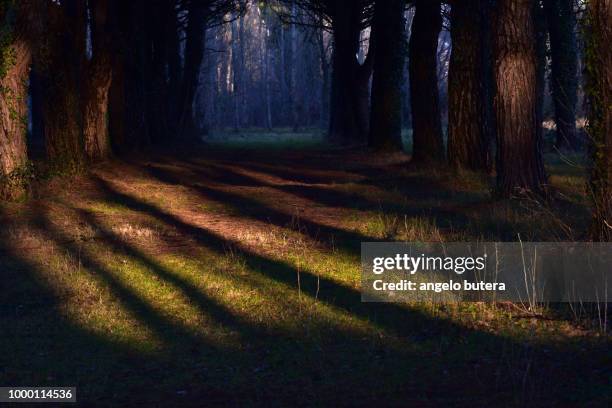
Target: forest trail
(239,270)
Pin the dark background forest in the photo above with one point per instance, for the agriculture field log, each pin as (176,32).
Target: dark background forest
(185,184)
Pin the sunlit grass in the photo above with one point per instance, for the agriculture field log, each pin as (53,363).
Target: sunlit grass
(251,289)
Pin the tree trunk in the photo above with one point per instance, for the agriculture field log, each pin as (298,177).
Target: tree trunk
(60,61)
(325,89)
(564,65)
(15,59)
(386,111)
(194,53)
(97,84)
(264,36)
(599,94)
(174,65)
(347,90)
(428,144)
(236,72)
(541,46)
(468,122)
(293,90)
(159,91)
(519,156)
(128,125)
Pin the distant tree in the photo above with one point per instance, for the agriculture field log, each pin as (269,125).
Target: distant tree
(15,60)
(519,157)
(386,107)
(599,94)
(469,124)
(564,64)
(428,144)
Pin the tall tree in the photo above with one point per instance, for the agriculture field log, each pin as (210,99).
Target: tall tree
(60,59)
(599,93)
(428,144)
(161,14)
(15,59)
(564,64)
(541,47)
(469,125)
(174,67)
(519,156)
(128,95)
(349,102)
(97,81)
(293,88)
(386,111)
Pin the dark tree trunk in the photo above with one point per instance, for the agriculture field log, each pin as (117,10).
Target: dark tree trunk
(128,102)
(541,38)
(325,80)
(15,59)
(599,94)
(469,132)
(564,66)
(116,106)
(519,156)
(194,53)
(362,100)
(61,60)
(97,83)
(349,96)
(428,144)
(174,65)
(343,122)
(116,94)
(386,112)
(157,114)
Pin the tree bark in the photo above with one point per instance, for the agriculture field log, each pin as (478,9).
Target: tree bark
(97,83)
(128,99)
(428,144)
(161,15)
(541,46)
(174,65)
(599,93)
(293,90)
(469,132)
(15,60)
(325,79)
(194,53)
(347,93)
(386,111)
(61,59)
(564,65)
(519,157)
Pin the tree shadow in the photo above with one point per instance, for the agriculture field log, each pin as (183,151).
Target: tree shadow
(341,367)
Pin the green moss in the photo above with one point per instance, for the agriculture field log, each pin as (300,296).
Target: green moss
(7,52)
(14,184)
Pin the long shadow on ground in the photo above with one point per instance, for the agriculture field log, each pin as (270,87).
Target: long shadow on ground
(416,359)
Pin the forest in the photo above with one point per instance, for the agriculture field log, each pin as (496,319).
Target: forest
(186,187)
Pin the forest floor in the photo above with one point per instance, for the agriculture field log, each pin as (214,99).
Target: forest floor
(232,276)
